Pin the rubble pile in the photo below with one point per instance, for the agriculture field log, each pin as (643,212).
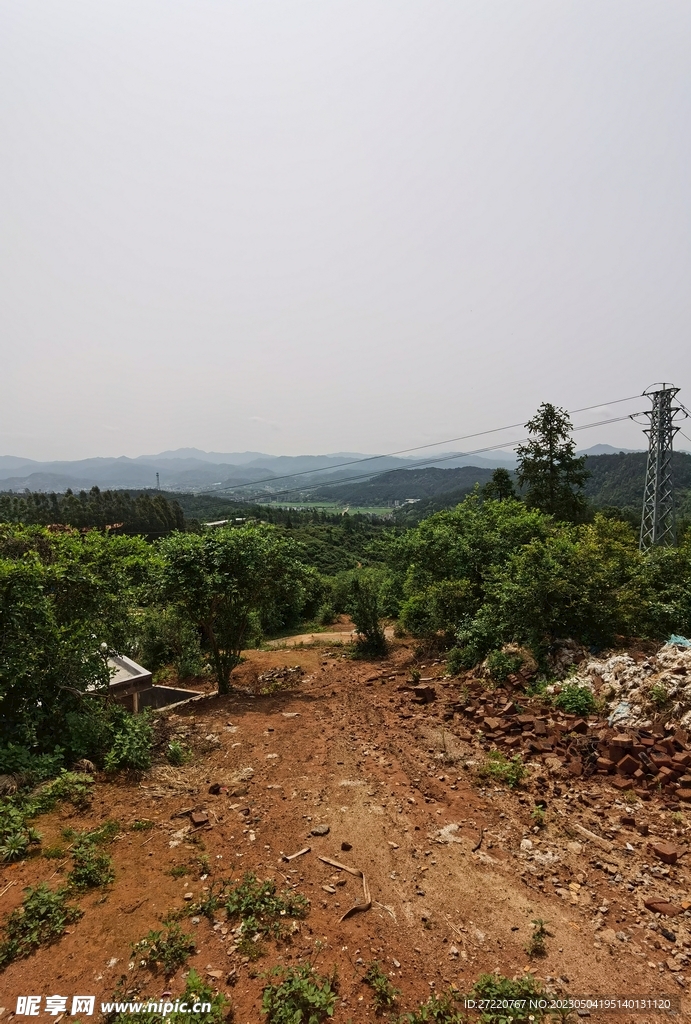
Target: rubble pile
(654,762)
(276,678)
(642,690)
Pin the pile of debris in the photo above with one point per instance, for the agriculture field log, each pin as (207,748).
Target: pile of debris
(642,690)
(653,762)
(278,678)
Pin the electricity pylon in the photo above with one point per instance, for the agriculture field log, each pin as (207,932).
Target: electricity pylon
(658,526)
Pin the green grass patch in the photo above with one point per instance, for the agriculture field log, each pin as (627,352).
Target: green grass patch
(40,920)
(575,700)
(508,770)
(383,991)
(168,950)
(299,994)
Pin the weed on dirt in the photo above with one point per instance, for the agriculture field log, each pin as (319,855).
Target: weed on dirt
(384,992)
(299,994)
(41,919)
(168,950)
(509,770)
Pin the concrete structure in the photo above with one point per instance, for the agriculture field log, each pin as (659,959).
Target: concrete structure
(132,685)
(128,680)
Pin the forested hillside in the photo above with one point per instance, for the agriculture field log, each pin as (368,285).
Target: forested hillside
(150,514)
(401,484)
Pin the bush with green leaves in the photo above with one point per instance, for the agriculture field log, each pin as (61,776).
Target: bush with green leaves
(299,995)
(575,700)
(365,608)
(16,835)
(66,601)
(40,920)
(502,664)
(132,743)
(91,867)
(456,661)
(508,770)
(536,945)
(169,950)
(213,1007)
(177,753)
(439,1009)
(261,908)
(167,637)
(510,1001)
(384,992)
(223,581)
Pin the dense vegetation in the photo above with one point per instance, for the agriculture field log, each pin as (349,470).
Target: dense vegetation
(150,514)
(494,569)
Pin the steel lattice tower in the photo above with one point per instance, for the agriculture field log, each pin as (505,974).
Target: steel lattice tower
(658,526)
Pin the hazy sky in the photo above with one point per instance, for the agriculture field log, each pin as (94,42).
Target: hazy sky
(298,226)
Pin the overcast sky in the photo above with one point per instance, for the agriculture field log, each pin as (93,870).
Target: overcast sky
(301,227)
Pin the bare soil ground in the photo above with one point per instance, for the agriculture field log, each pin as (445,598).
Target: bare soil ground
(455,886)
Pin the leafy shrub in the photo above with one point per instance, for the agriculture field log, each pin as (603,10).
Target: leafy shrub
(437,1010)
(132,744)
(455,661)
(384,992)
(365,610)
(213,1007)
(326,614)
(41,919)
(502,664)
(92,868)
(536,944)
(515,996)
(33,767)
(169,951)
(177,753)
(167,637)
(658,695)
(16,836)
(499,768)
(260,908)
(298,995)
(575,700)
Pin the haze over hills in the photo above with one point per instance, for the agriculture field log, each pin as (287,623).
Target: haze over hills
(192,469)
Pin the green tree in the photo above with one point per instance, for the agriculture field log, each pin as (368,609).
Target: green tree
(364,606)
(443,565)
(500,486)
(224,580)
(548,469)
(66,601)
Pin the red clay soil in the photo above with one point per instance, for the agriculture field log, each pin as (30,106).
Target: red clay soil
(454,893)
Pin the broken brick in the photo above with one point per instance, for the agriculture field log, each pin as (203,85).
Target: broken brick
(628,765)
(662,907)
(666,852)
(622,782)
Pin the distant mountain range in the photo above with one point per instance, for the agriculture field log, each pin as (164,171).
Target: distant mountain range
(189,469)
(249,474)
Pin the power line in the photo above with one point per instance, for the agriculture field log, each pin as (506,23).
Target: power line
(457,455)
(420,447)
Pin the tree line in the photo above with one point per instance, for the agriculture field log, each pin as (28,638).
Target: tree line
(496,569)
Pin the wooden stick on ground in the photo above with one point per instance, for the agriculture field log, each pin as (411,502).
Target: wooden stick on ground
(358,874)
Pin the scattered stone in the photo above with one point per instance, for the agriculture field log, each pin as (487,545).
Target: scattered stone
(666,852)
(320,830)
(346,846)
(662,907)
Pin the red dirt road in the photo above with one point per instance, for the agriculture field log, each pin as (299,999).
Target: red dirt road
(344,748)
